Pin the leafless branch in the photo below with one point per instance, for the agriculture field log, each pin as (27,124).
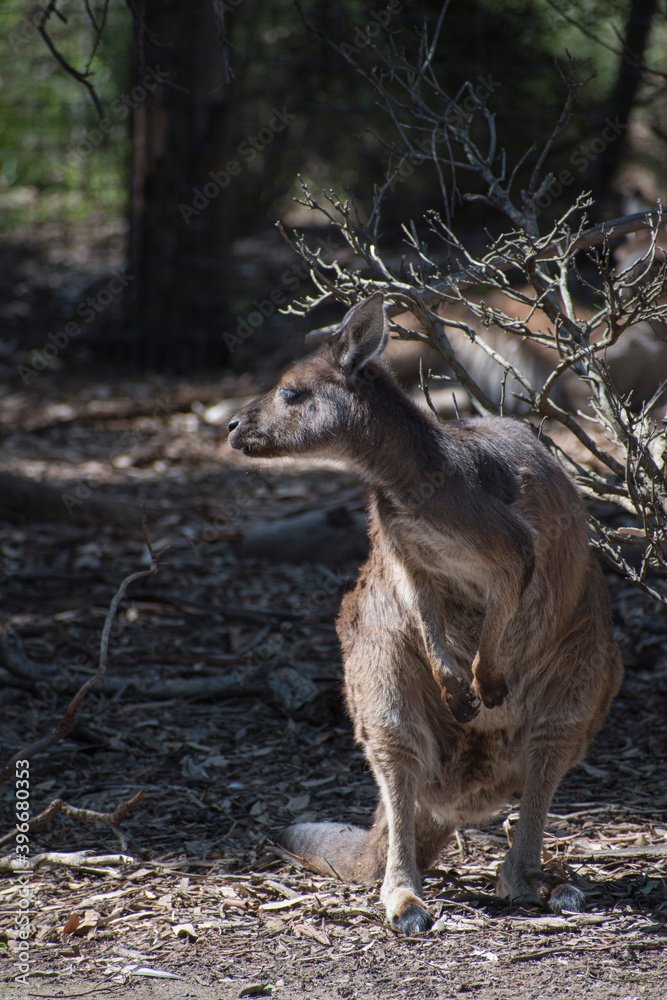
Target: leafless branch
(223,39)
(484,271)
(98,27)
(80,77)
(110,819)
(639,63)
(626,451)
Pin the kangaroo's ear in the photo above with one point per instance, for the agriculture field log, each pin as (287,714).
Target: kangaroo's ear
(363,335)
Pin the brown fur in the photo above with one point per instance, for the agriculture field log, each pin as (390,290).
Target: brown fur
(478,654)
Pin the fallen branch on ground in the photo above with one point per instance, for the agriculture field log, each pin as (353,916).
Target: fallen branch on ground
(255,682)
(110,819)
(26,501)
(81,860)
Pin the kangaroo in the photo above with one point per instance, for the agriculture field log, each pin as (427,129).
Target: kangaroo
(479,661)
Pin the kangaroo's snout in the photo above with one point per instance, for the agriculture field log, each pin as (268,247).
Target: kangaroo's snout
(234,433)
(247,432)
(239,429)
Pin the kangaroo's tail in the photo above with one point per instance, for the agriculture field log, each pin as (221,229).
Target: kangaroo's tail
(347,852)
(356,855)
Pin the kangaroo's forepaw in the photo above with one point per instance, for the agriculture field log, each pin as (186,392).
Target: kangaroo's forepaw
(461,701)
(489,685)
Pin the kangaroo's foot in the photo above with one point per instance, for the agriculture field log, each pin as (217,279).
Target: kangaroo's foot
(356,855)
(460,700)
(544,888)
(406,912)
(488,684)
(566,898)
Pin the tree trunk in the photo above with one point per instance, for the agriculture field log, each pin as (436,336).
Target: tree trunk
(603,168)
(178,252)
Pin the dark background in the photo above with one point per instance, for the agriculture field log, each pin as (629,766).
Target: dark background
(113,195)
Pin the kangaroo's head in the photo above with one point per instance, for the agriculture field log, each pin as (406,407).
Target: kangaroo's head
(322,403)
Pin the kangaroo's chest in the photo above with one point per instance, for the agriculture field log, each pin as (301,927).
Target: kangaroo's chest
(439,560)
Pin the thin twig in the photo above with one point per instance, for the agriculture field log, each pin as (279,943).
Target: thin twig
(110,819)
(82,78)
(423,385)
(596,37)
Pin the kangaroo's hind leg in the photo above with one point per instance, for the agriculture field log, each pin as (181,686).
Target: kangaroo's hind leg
(413,839)
(584,679)
(521,877)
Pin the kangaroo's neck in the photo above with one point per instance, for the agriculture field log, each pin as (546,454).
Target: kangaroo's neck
(397,447)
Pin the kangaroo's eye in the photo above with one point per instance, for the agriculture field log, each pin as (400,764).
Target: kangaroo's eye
(291,395)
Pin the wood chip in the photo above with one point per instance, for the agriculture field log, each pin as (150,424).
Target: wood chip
(287,904)
(72,924)
(186,931)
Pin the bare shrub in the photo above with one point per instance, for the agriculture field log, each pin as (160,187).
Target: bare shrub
(613,443)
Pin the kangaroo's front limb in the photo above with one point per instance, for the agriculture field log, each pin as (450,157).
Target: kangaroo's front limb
(521,876)
(454,683)
(489,684)
(508,580)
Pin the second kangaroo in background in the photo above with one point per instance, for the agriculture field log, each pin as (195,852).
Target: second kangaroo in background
(479,660)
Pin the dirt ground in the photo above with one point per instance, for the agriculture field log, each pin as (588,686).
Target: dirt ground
(193,903)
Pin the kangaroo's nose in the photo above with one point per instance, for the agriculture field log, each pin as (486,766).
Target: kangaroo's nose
(233,424)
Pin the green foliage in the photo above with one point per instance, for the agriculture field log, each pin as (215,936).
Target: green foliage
(48,165)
